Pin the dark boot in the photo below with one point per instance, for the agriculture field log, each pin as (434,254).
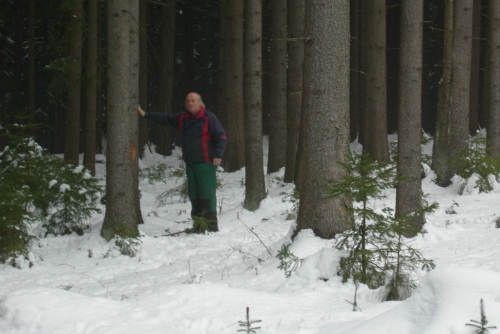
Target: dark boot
(212,222)
(197,217)
(196,209)
(209,215)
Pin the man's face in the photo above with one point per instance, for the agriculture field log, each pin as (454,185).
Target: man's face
(193,103)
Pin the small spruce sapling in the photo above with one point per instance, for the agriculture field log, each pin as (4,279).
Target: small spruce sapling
(354,303)
(400,258)
(481,325)
(293,198)
(156,173)
(364,181)
(247,325)
(289,263)
(180,190)
(127,246)
(474,159)
(451,210)
(379,254)
(36,186)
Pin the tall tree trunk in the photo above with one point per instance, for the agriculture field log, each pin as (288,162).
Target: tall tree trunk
(72,144)
(453,110)
(409,189)
(166,72)
(474,73)
(493,128)
(296,11)
(90,115)
(121,212)
(432,62)
(326,102)
(362,68)
(31,80)
(133,102)
(278,115)
(221,53)
(233,114)
(355,75)
(266,65)
(101,87)
(393,25)
(483,73)
(255,188)
(143,73)
(18,103)
(376,144)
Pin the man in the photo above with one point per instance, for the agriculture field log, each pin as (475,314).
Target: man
(203,143)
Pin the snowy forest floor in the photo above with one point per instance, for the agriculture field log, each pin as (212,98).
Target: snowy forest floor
(196,284)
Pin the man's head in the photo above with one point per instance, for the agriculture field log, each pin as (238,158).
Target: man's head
(194,103)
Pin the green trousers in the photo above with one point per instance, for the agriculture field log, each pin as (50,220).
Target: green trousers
(202,186)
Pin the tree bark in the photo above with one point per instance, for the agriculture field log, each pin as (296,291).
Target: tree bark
(409,189)
(432,62)
(233,115)
(32,69)
(355,74)
(166,71)
(221,53)
(121,212)
(376,144)
(133,102)
(266,65)
(493,128)
(255,188)
(393,25)
(143,73)
(475,68)
(72,144)
(454,91)
(326,103)
(278,90)
(296,11)
(91,89)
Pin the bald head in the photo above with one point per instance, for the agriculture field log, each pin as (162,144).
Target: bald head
(194,103)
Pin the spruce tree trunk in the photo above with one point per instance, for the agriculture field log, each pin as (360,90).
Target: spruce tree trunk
(483,74)
(72,143)
(166,71)
(266,65)
(454,91)
(220,65)
(143,73)
(355,76)
(493,128)
(376,144)
(133,102)
(255,189)
(18,104)
(409,190)
(475,68)
(296,11)
(31,80)
(91,89)
(432,60)
(393,26)
(326,103)
(121,212)
(278,89)
(233,114)
(101,88)
(362,67)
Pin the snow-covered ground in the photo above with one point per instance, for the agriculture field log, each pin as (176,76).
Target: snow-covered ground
(195,284)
